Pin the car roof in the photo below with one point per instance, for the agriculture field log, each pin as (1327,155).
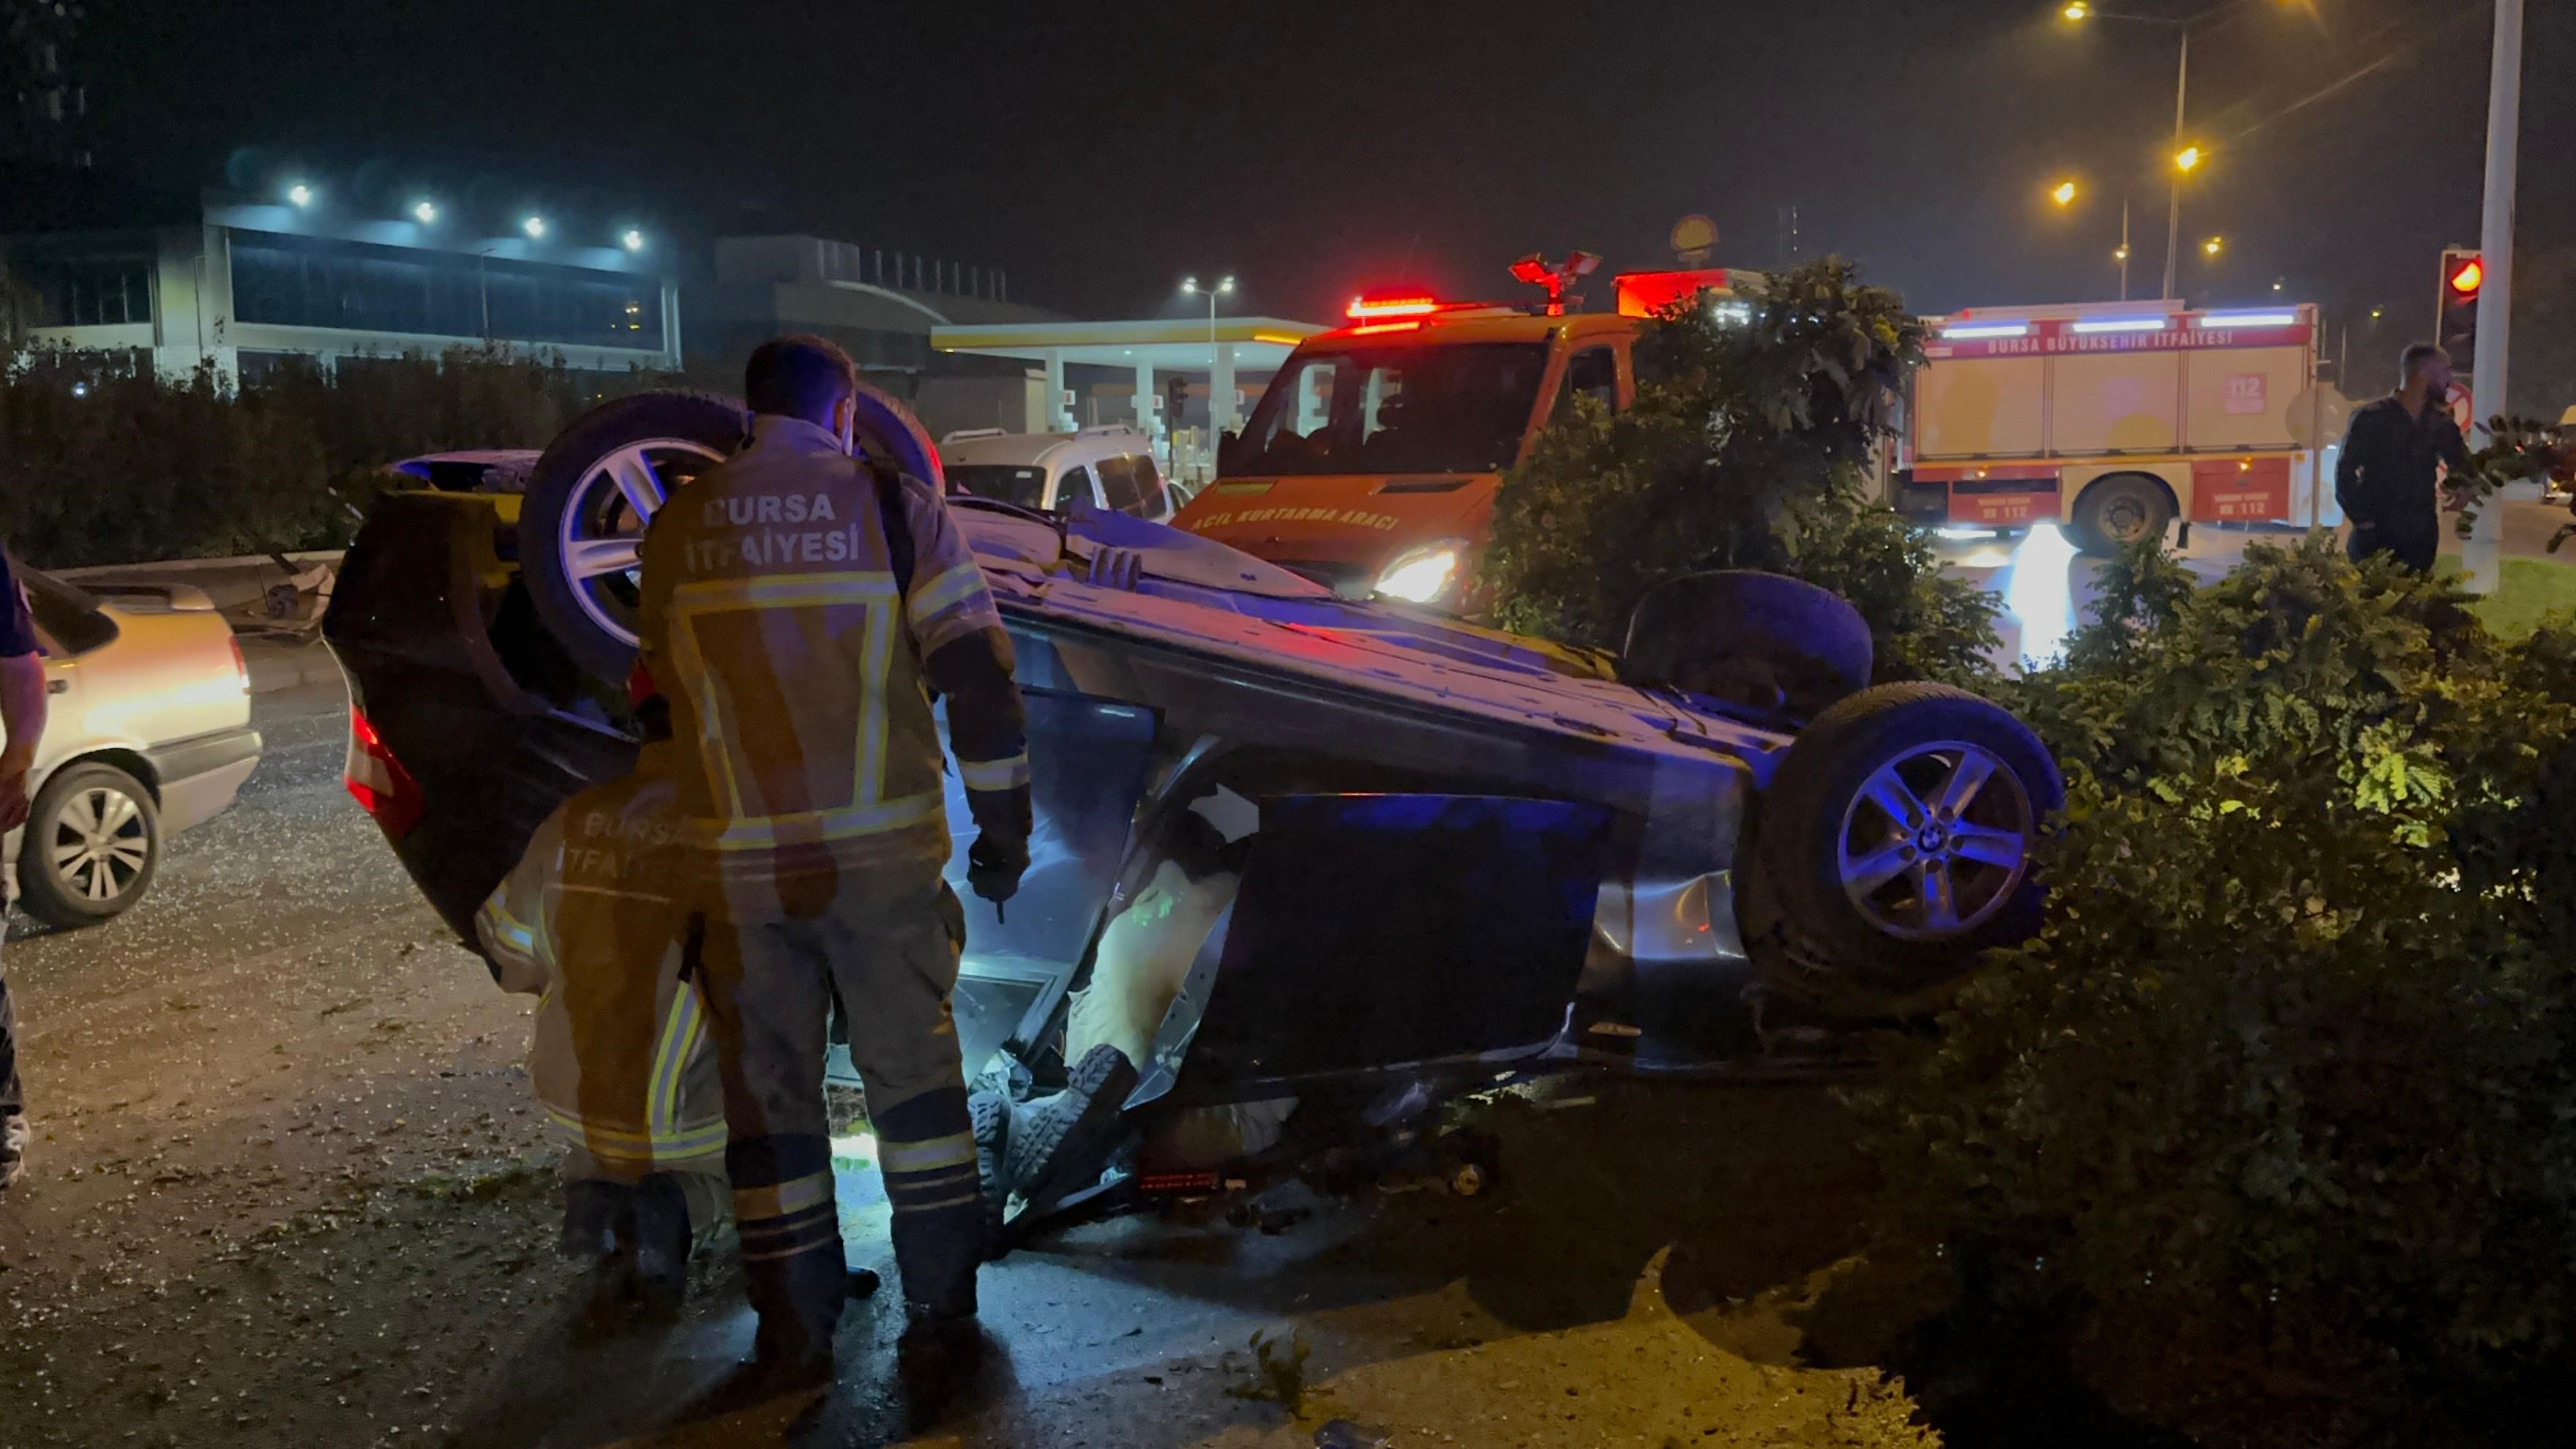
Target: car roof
(1035,450)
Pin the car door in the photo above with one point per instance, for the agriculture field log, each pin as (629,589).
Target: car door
(1074,482)
(1390,930)
(1131,484)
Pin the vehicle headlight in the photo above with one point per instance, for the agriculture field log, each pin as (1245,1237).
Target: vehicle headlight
(1424,575)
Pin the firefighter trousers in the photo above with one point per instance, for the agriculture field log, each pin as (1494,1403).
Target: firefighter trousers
(890,948)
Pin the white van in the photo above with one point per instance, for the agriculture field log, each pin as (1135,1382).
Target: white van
(1112,466)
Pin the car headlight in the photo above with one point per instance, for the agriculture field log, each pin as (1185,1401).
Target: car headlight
(1424,575)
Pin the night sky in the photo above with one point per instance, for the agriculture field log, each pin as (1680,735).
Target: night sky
(1099,152)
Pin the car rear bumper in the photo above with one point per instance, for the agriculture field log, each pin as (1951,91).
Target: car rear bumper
(200,775)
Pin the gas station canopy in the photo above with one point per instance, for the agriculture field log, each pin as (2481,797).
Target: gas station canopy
(1179,344)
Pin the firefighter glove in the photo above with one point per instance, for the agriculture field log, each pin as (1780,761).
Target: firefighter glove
(994,864)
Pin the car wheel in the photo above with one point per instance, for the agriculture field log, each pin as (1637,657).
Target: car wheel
(1895,845)
(597,485)
(588,500)
(2118,511)
(93,840)
(1741,634)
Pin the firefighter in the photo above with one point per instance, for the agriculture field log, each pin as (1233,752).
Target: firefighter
(799,606)
(592,923)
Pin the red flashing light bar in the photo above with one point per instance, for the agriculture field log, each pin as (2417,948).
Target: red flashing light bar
(1643,294)
(1373,309)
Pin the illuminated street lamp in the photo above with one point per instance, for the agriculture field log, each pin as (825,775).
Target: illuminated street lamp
(300,194)
(2065,194)
(424,212)
(534,226)
(2185,158)
(1224,287)
(633,240)
(2213,246)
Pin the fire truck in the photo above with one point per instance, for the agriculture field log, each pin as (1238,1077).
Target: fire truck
(1371,462)
(2113,419)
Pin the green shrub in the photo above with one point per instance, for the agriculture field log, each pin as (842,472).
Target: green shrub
(100,468)
(2273,1130)
(1748,446)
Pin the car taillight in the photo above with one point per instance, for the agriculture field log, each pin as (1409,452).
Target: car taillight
(241,666)
(378,781)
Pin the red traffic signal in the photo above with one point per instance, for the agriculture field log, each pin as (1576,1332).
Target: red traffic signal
(2455,311)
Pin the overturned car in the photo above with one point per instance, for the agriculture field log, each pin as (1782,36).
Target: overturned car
(1315,863)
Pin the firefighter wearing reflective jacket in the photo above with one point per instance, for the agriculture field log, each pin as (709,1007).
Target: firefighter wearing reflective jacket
(799,607)
(590,923)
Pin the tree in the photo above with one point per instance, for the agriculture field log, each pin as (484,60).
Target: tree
(1749,445)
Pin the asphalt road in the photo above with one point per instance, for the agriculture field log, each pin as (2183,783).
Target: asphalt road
(288,1186)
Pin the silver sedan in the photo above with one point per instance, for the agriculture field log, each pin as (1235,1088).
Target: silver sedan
(148,734)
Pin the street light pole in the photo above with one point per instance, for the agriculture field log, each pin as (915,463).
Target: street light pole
(1217,371)
(2124,248)
(2479,556)
(2173,197)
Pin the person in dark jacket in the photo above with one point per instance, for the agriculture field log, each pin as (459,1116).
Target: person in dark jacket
(2385,481)
(22,722)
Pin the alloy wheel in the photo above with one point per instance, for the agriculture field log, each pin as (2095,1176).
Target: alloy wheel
(100,844)
(1935,841)
(601,534)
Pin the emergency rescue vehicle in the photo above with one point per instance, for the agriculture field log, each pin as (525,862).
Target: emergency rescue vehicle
(1371,462)
(2114,419)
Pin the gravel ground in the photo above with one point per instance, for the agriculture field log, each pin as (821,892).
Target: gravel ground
(287,1187)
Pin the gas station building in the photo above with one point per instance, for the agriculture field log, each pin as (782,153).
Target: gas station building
(1230,354)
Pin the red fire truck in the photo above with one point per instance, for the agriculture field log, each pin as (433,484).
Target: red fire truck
(2114,419)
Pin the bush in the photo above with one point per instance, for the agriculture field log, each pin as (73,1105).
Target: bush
(2273,1130)
(1748,446)
(101,468)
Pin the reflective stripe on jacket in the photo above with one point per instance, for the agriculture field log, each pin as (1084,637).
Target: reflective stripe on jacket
(799,680)
(589,922)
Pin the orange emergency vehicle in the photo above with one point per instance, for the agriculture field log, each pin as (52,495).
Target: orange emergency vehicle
(1371,462)
(2114,419)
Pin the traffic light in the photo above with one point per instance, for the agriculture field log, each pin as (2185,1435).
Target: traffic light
(1176,396)
(2463,274)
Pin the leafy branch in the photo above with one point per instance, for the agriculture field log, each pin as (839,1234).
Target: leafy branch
(2518,450)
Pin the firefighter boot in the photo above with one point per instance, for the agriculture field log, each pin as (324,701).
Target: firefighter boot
(937,1359)
(662,1238)
(789,1224)
(926,1149)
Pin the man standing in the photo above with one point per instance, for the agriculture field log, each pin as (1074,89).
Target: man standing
(22,722)
(2385,480)
(799,608)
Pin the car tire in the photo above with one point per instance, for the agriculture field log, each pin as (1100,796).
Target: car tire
(571,502)
(1693,632)
(2120,510)
(110,816)
(989,1113)
(1835,910)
